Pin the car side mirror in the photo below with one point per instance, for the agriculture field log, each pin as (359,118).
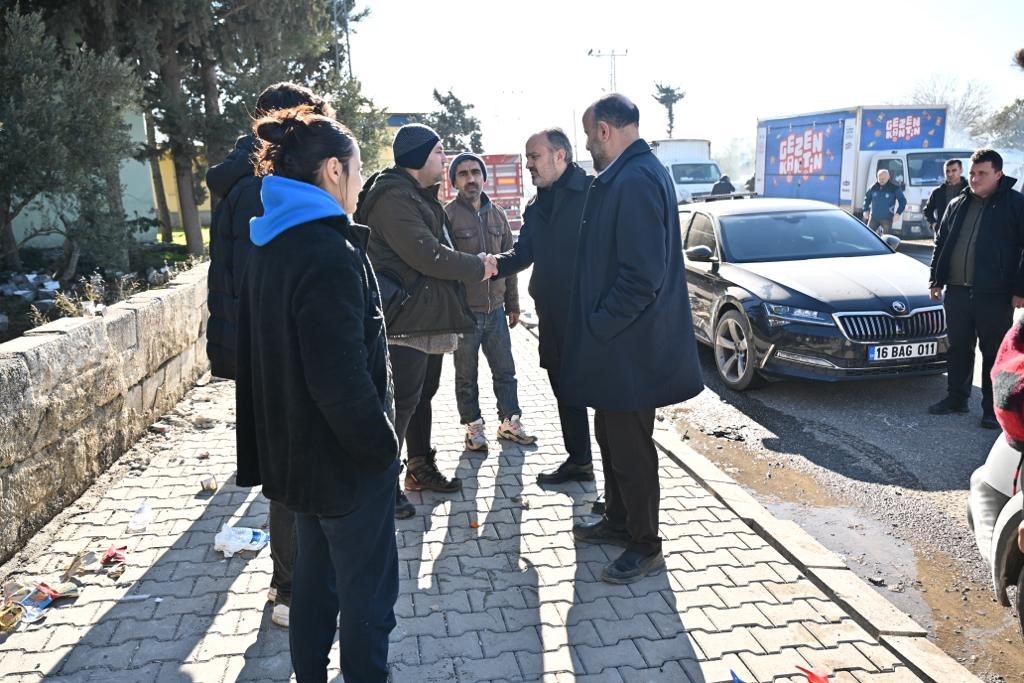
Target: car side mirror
(700,254)
(892,241)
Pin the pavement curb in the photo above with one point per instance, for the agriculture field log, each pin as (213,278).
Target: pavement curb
(903,636)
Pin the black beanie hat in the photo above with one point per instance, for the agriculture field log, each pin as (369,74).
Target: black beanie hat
(465,156)
(413,145)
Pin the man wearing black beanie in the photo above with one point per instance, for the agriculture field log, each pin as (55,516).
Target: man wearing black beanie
(412,252)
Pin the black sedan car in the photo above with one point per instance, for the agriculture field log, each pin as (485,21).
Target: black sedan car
(799,288)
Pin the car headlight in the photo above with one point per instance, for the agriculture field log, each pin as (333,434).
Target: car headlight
(779,315)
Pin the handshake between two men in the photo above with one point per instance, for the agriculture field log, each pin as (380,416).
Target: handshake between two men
(490,270)
(490,265)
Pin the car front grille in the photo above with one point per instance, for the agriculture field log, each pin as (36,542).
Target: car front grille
(880,327)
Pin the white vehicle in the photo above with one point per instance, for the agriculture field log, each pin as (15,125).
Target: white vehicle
(835,156)
(689,163)
(994,513)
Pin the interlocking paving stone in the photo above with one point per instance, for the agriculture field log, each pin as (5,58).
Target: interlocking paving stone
(513,598)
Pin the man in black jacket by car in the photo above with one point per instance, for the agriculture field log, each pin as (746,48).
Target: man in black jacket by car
(235,182)
(550,233)
(942,195)
(978,261)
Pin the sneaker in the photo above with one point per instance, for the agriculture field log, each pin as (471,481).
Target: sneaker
(280,615)
(403,508)
(423,475)
(475,439)
(948,405)
(272,594)
(511,428)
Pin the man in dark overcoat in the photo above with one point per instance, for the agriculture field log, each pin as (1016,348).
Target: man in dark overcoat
(630,342)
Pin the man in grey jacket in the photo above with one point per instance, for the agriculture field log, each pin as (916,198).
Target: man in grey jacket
(480,227)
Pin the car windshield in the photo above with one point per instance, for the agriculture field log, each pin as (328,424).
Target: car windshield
(695,173)
(929,170)
(795,235)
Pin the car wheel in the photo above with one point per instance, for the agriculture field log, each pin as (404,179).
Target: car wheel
(735,358)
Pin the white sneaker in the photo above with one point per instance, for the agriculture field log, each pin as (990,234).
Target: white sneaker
(272,594)
(280,615)
(475,439)
(512,429)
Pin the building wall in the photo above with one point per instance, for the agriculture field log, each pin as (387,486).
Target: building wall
(138,197)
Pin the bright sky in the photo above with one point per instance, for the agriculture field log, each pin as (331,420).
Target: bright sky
(524,63)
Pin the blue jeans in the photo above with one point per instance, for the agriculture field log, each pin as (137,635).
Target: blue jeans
(346,564)
(492,336)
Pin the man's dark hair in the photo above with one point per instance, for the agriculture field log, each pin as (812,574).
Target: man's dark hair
(287,95)
(1018,57)
(990,155)
(616,111)
(954,162)
(557,139)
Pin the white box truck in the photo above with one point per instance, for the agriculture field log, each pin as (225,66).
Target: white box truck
(834,156)
(689,163)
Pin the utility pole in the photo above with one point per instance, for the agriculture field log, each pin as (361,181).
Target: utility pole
(611,55)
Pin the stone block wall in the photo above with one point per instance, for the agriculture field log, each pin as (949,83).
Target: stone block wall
(76,393)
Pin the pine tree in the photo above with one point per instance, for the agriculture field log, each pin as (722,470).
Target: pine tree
(458,129)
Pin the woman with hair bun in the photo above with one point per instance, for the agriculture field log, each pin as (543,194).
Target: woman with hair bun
(315,422)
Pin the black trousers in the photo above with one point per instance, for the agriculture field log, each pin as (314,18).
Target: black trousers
(632,492)
(282,550)
(347,565)
(575,426)
(416,376)
(973,319)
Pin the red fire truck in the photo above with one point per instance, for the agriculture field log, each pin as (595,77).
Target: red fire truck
(504,185)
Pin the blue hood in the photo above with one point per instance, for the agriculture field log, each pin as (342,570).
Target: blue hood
(287,203)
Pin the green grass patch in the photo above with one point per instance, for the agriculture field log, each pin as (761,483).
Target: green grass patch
(179,236)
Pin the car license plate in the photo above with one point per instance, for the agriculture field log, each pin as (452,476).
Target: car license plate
(901,351)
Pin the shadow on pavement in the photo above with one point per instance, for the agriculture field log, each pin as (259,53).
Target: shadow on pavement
(192,599)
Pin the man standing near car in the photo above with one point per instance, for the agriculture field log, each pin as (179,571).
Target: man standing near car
(550,234)
(883,202)
(629,329)
(942,195)
(978,261)
(480,227)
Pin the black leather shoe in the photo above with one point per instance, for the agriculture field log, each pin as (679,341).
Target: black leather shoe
(631,566)
(989,421)
(948,405)
(567,471)
(600,531)
(403,508)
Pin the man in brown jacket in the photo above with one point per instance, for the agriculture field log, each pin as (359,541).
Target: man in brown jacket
(480,227)
(410,247)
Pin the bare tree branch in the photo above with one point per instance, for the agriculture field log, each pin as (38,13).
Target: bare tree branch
(968,104)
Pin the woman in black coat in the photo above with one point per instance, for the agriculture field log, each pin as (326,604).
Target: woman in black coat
(314,417)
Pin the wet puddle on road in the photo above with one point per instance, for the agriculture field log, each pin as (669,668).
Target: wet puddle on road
(961,615)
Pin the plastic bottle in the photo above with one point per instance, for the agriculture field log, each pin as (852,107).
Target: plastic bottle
(231,540)
(141,518)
